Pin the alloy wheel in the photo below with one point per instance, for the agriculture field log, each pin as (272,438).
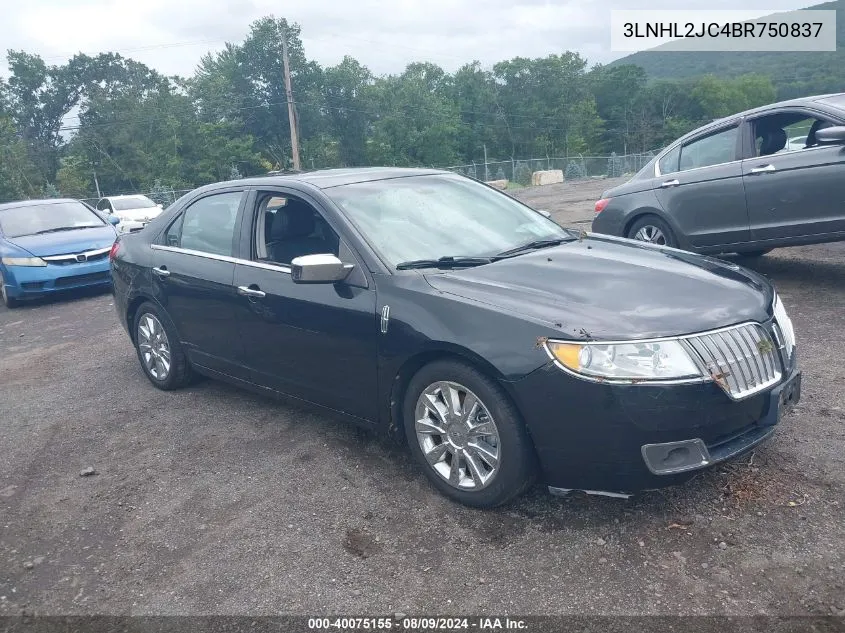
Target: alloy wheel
(154,346)
(650,233)
(457,435)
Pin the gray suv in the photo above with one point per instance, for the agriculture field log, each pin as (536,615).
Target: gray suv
(769,177)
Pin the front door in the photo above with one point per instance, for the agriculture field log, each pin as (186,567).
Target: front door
(193,273)
(701,188)
(311,341)
(794,185)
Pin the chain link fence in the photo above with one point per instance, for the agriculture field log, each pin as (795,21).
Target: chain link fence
(515,171)
(573,167)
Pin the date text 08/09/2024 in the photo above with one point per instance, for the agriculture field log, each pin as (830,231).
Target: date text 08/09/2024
(727,29)
(417,624)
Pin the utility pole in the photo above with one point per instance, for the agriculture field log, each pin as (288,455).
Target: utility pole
(97,184)
(486,171)
(294,141)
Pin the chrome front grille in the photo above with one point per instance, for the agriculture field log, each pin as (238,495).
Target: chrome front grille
(742,359)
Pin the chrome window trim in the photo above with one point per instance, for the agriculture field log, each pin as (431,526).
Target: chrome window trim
(71,257)
(282,268)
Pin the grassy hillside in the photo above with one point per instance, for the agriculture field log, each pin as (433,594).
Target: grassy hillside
(794,74)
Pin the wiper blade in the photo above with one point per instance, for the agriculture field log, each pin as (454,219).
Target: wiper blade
(444,262)
(534,245)
(63,228)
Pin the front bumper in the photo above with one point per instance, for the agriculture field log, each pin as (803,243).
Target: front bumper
(623,439)
(29,282)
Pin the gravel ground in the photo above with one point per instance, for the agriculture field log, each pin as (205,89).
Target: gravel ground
(217,501)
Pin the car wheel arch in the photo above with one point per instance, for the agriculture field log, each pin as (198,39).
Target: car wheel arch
(409,368)
(132,310)
(639,214)
(643,212)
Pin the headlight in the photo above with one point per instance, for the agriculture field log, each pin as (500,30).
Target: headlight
(24,261)
(785,325)
(626,362)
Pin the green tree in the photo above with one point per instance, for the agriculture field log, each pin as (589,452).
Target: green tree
(17,174)
(416,123)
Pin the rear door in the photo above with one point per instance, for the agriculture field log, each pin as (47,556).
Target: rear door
(317,342)
(796,190)
(193,273)
(700,186)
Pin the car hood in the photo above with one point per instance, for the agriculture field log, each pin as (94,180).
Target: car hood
(612,289)
(138,215)
(64,242)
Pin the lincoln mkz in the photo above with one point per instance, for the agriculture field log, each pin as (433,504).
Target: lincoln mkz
(500,346)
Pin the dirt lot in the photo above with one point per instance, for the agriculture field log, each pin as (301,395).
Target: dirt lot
(212,500)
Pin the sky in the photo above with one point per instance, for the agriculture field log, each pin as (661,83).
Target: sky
(172,35)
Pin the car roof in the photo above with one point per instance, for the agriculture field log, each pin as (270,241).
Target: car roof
(327,178)
(125,196)
(35,203)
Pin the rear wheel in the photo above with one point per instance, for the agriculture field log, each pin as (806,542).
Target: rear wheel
(162,357)
(10,302)
(467,435)
(653,230)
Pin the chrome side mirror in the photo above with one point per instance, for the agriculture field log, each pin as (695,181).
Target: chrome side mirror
(319,269)
(834,134)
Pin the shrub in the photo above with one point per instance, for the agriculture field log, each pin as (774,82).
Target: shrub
(522,174)
(574,171)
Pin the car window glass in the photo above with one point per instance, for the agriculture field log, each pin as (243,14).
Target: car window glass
(207,225)
(780,134)
(715,149)
(289,227)
(49,217)
(669,163)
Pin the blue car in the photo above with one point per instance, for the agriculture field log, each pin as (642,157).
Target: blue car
(51,245)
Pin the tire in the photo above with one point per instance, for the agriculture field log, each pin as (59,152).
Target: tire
(648,225)
(757,253)
(515,461)
(149,321)
(9,302)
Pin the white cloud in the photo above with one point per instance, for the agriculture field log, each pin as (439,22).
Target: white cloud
(172,35)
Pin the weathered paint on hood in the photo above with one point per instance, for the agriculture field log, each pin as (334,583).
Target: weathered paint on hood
(603,288)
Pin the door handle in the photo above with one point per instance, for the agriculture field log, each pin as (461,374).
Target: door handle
(246,291)
(670,183)
(765,169)
(161,271)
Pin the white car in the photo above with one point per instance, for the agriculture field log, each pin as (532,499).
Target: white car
(133,211)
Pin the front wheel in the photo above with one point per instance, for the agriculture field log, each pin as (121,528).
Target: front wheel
(467,435)
(157,344)
(653,230)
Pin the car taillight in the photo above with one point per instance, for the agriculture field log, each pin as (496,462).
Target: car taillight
(601,204)
(114,249)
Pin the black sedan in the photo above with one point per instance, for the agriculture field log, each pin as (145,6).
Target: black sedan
(435,308)
(758,180)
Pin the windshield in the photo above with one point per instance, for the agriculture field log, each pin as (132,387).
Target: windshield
(429,217)
(125,204)
(47,218)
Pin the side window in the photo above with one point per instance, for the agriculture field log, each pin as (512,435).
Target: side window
(288,227)
(669,163)
(786,132)
(103,205)
(207,225)
(714,149)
